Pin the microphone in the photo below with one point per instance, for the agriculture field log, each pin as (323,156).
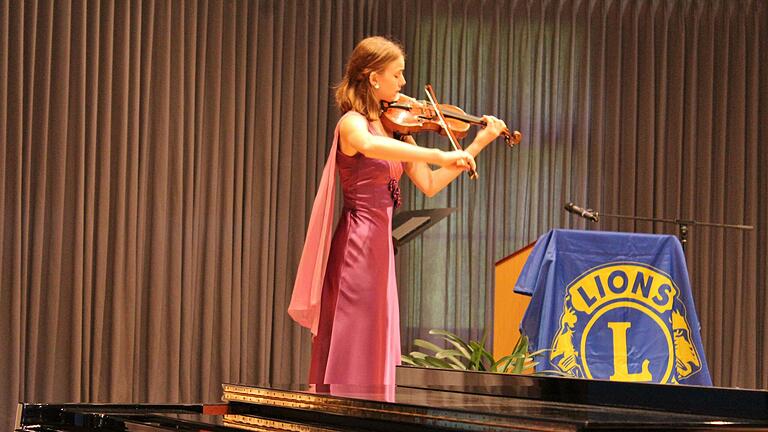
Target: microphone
(585,213)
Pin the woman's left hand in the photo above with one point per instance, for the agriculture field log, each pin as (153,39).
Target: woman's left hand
(491,131)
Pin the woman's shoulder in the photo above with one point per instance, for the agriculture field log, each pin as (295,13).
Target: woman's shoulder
(352,120)
(352,115)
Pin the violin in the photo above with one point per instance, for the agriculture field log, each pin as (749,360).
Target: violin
(408,116)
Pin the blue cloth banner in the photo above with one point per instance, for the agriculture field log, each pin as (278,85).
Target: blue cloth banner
(615,306)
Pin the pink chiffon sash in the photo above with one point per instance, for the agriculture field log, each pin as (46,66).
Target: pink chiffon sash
(308,287)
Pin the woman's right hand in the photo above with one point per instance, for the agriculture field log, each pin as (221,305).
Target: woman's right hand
(459,159)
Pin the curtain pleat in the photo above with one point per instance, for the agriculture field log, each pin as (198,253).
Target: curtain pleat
(158,162)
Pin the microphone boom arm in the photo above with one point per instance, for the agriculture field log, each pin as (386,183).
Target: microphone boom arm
(682,224)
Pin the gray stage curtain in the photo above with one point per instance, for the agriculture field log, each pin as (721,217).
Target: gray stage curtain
(158,162)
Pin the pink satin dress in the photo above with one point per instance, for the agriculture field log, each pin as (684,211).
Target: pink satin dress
(358,333)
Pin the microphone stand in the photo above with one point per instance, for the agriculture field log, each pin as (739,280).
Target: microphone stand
(682,224)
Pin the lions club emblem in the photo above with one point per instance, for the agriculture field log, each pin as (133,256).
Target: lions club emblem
(624,321)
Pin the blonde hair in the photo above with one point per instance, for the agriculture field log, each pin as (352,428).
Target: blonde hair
(354,92)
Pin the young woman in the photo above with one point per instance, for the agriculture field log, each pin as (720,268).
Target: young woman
(345,289)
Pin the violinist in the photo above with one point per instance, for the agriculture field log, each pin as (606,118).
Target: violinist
(345,289)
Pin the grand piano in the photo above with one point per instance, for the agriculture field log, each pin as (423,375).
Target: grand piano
(429,400)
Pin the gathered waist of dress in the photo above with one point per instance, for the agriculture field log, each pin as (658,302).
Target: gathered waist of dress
(371,196)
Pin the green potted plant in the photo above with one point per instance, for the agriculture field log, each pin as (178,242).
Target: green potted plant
(471,355)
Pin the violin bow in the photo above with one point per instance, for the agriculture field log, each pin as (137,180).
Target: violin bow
(454,142)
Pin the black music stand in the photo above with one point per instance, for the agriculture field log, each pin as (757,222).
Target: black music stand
(410,224)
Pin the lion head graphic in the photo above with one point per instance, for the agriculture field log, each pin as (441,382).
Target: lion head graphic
(687,359)
(564,354)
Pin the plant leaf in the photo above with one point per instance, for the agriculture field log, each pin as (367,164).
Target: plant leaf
(438,363)
(506,361)
(518,365)
(448,353)
(422,363)
(521,347)
(451,355)
(418,355)
(477,352)
(487,355)
(485,338)
(453,340)
(427,345)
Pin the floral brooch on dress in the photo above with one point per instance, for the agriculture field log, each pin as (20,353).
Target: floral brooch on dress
(394,189)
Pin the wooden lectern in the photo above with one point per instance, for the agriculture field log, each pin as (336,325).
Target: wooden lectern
(508,307)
